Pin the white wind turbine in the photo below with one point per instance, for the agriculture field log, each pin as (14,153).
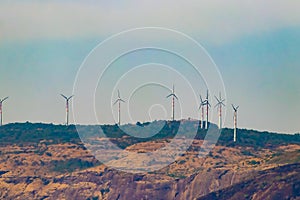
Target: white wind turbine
(220,104)
(1,111)
(235,109)
(67,107)
(119,100)
(202,104)
(173,95)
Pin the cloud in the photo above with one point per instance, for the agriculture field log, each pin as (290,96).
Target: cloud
(218,21)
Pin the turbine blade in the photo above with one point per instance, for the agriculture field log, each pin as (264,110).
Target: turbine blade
(200,107)
(122,100)
(116,102)
(233,106)
(70,97)
(63,96)
(201,99)
(168,95)
(217,99)
(4,99)
(175,96)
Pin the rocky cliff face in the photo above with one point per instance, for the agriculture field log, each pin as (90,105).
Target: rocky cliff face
(110,184)
(278,183)
(30,173)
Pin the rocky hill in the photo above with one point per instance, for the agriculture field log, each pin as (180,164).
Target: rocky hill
(45,161)
(277,183)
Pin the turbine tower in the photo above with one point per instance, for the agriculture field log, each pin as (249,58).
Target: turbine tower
(1,103)
(119,100)
(202,104)
(67,107)
(219,105)
(173,95)
(235,109)
(207,108)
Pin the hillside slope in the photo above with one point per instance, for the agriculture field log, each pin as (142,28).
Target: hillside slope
(45,161)
(277,183)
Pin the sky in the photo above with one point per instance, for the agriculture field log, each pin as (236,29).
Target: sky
(255,46)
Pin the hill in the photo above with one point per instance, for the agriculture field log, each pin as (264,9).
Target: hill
(46,161)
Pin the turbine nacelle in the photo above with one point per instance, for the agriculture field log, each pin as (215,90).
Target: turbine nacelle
(1,101)
(220,101)
(173,93)
(119,98)
(202,103)
(67,98)
(235,108)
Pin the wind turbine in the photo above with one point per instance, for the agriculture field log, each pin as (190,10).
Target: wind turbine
(119,100)
(219,105)
(67,107)
(235,109)
(206,102)
(1,102)
(173,95)
(202,104)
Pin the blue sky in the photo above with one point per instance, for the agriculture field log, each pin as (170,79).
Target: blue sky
(254,44)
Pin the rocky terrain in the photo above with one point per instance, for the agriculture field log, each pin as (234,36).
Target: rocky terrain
(50,162)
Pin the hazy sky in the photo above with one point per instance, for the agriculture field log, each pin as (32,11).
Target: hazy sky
(255,44)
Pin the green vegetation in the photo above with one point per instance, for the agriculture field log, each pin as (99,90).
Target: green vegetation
(257,139)
(104,190)
(28,133)
(246,153)
(253,162)
(176,175)
(180,162)
(286,157)
(71,165)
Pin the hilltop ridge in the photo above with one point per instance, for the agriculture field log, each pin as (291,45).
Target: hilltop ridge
(35,132)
